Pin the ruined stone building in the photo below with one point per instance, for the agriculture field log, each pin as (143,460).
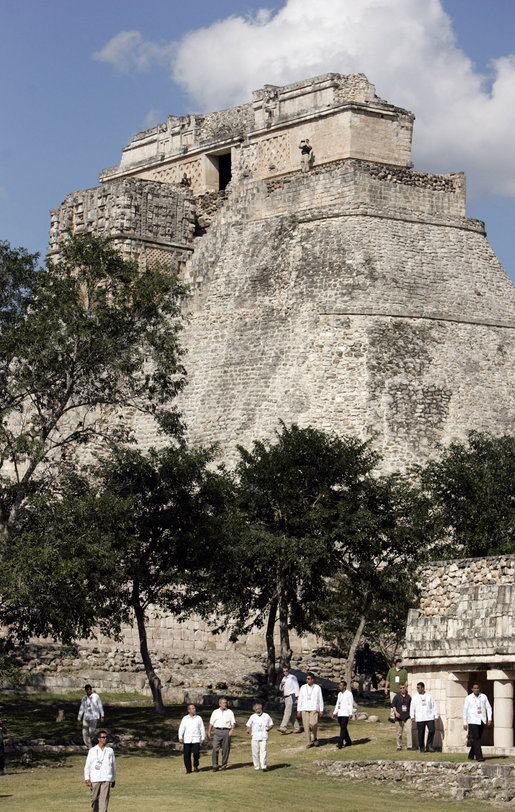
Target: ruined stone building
(356,297)
(464,632)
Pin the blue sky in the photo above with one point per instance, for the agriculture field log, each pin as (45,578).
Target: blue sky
(79,79)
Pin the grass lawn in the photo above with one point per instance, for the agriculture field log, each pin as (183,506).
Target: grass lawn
(155,780)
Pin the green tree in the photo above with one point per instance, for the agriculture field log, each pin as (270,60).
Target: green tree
(380,548)
(470,497)
(100,554)
(80,342)
(293,498)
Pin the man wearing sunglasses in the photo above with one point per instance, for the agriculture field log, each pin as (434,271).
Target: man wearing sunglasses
(100,773)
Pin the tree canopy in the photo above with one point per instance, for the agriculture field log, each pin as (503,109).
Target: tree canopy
(470,497)
(80,341)
(311,514)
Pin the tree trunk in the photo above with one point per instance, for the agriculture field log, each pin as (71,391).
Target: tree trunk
(270,645)
(357,637)
(284,631)
(153,679)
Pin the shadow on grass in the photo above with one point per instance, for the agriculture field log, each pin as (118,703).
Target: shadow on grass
(239,765)
(334,740)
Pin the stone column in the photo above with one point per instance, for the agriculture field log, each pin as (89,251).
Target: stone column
(503,713)
(456,693)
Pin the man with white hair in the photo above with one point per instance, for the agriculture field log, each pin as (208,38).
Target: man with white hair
(258,726)
(222,723)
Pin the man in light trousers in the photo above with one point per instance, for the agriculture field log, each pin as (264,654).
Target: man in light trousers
(100,773)
(311,706)
(290,688)
(258,726)
(90,711)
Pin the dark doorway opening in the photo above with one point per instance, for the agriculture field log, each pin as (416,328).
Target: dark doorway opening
(224,170)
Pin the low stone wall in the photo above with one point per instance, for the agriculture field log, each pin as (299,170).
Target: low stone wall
(187,676)
(485,782)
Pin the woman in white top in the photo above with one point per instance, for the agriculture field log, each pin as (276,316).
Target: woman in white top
(344,709)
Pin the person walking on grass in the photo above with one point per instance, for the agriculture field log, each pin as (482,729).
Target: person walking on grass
(343,709)
(423,711)
(258,726)
(100,773)
(401,704)
(290,688)
(477,712)
(310,706)
(192,735)
(222,723)
(90,711)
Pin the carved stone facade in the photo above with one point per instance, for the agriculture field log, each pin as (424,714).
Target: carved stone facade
(464,632)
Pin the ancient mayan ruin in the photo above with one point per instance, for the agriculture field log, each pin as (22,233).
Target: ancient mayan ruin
(356,297)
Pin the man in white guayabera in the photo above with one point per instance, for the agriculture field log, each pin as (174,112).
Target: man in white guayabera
(311,705)
(90,712)
(100,773)
(477,712)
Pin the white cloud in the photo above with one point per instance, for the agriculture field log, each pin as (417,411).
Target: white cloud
(128,51)
(407,48)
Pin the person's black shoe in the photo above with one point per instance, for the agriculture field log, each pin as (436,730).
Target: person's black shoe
(196,769)
(470,758)
(479,759)
(340,746)
(215,769)
(422,750)
(430,749)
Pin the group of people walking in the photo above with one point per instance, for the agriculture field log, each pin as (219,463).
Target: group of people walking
(421,709)
(303,703)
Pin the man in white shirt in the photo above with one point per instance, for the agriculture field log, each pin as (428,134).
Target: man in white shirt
(423,711)
(477,712)
(191,735)
(100,773)
(343,709)
(258,725)
(222,724)
(311,705)
(90,712)
(290,688)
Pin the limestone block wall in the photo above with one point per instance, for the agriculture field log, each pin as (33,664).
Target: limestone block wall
(467,612)
(311,306)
